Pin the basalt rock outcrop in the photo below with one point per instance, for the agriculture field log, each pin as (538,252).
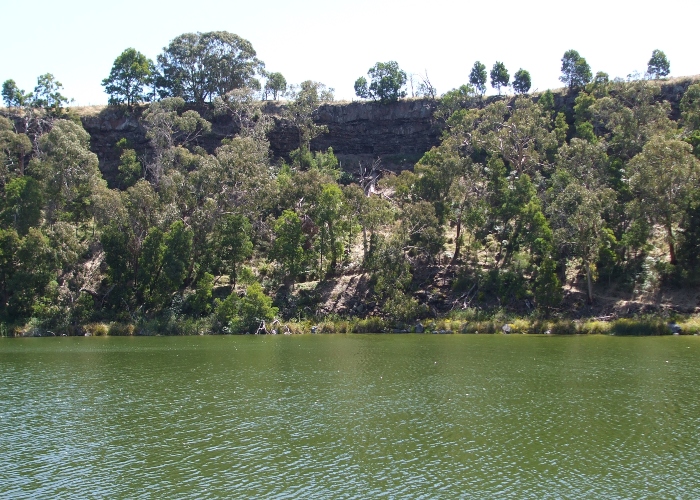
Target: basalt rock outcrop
(398,133)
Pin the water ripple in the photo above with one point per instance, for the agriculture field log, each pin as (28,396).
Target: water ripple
(350,417)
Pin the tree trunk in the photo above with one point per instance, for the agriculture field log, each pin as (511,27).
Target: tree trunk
(671,249)
(589,282)
(334,250)
(364,244)
(457,241)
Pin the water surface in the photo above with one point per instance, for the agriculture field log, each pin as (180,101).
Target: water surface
(394,416)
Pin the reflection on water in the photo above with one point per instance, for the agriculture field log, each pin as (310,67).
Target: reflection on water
(402,416)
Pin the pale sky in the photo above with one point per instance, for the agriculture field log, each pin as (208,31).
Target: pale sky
(335,42)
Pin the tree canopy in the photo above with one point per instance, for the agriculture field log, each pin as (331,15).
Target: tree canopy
(520,200)
(477,77)
(658,66)
(276,85)
(130,73)
(575,70)
(200,66)
(499,76)
(386,83)
(522,81)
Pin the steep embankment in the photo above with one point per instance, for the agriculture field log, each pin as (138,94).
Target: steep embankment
(398,133)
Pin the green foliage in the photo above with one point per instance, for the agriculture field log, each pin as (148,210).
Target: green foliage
(47,94)
(361,88)
(33,267)
(14,149)
(561,128)
(546,102)
(690,107)
(421,230)
(201,300)
(130,169)
(547,288)
(455,99)
(23,204)
(387,262)
(630,116)
(13,96)
(276,85)
(499,76)
(522,81)
(328,217)
(658,66)
(245,314)
(401,307)
(386,82)
(477,77)
(118,256)
(130,72)
(235,246)
(305,101)
(689,244)
(575,70)
(529,192)
(68,169)
(662,177)
(287,248)
(200,66)
(599,87)
(163,263)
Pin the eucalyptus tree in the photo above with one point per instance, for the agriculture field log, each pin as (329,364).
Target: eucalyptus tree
(576,215)
(630,116)
(690,117)
(13,96)
(420,230)
(499,76)
(305,101)
(579,200)
(234,244)
(463,97)
(14,150)
(244,109)
(130,73)
(67,168)
(168,130)
(369,210)
(24,200)
(522,81)
(329,217)
(477,77)
(200,66)
(520,135)
(47,94)
(288,245)
(163,263)
(386,83)
(276,85)
(576,72)
(662,177)
(658,66)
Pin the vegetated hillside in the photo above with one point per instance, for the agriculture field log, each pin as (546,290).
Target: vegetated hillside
(397,133)
(576,203)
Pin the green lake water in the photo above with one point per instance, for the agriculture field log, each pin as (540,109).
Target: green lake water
(350,416)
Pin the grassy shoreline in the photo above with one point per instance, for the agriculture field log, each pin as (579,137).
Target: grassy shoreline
(641,326)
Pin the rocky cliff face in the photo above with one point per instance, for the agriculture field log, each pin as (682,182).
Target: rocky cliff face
(397,133)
